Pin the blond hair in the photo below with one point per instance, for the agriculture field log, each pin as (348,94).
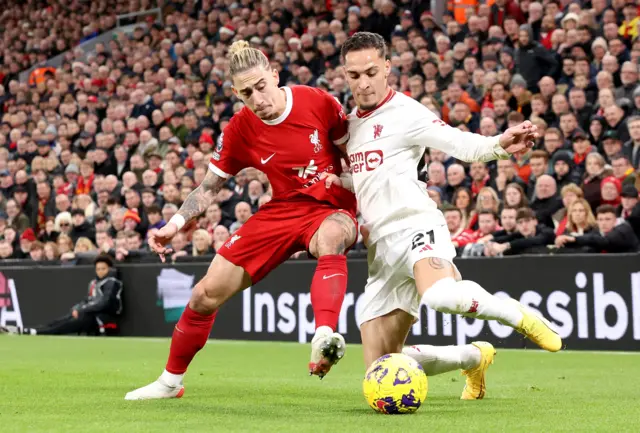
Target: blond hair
(205,234)
(590,219)
(571,187)
(84,243)
(242,57)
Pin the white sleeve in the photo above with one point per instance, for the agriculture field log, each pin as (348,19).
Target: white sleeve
(426,130)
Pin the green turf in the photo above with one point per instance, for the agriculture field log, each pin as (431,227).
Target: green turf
(78,384)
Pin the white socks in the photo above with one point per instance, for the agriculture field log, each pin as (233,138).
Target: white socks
(441,359)
(470,300)
(171,379)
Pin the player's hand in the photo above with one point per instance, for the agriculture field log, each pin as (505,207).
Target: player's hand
(330,179)
(74,314)
(162,237)
(365,234)
(519,139)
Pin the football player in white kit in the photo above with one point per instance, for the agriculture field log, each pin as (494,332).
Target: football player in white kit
(410,251)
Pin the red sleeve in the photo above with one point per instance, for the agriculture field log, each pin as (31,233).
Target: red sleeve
(338,123)
(224,161)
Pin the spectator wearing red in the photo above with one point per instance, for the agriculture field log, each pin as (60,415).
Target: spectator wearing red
(27,238)
(479,176)
(503,8)
(458,233)
(570,194)
(487,225)
(85,180)
(46,206)
(610,190)
(131,219)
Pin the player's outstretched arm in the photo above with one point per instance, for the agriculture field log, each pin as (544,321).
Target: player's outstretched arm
(429,131)
(201,198)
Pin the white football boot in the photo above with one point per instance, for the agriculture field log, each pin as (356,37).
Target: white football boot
(327,348)
(158,389)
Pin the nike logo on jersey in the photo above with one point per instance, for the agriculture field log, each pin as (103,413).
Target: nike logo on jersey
(264,161)
(326,277)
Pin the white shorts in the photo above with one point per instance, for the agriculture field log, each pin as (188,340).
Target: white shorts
(391,285)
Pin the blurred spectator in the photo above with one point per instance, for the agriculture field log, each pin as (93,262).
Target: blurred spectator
(529,237)
(242,213)
(580,221)
(609,237)
(546,201)
(630,208)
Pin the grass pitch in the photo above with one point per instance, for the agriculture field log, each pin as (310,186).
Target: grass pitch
(78,384)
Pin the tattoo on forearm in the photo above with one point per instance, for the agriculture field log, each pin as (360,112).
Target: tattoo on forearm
(436,263)
(201,198)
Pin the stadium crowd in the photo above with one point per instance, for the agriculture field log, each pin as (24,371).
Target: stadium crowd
(98,153)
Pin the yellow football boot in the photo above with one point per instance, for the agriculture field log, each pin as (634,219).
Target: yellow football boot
(475,386)
(538,329)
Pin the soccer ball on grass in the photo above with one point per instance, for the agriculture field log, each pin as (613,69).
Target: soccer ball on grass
(395,384)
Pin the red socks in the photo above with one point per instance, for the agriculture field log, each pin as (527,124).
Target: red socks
(189,336)
(328,288)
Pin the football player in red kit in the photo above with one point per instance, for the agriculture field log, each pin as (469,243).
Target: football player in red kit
(291,135)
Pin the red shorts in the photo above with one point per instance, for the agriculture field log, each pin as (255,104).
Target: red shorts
(278,230)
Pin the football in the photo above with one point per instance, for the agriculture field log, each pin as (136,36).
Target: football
(395,384)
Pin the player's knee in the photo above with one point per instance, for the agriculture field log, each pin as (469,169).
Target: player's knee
(204,301)
(332,238)
(442,296)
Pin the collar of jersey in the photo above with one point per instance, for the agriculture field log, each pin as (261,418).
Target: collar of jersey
(386,99)
(287,109)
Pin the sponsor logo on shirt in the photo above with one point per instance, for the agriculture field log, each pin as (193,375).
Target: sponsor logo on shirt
(366,161)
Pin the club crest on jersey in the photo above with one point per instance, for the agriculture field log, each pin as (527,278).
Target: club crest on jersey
(315,140)
(366,161)
(377,131)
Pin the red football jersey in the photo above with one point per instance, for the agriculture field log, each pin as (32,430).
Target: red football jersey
(292,150)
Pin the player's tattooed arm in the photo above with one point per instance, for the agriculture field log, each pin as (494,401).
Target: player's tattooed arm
(201,198)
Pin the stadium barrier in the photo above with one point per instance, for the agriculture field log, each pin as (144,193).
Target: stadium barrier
(594,300)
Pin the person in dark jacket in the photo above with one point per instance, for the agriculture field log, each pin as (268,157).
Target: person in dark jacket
(629,210)
(563,170)
(94,315)
(595,172)
(81,228)
(529,237)
(547,200)
(533,61)
(609,238)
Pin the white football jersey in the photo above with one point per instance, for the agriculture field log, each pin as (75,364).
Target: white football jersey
(384,149)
